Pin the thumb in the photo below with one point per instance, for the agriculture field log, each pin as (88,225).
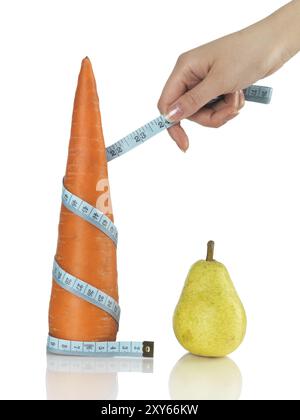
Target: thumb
(193,100)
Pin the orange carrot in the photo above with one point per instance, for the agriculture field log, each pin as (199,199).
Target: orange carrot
(83,250)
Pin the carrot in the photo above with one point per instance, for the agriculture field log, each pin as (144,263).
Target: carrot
(83,250)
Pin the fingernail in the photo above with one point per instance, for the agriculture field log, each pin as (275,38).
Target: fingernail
(183,148)
(174,114)
(178,145)
(237,100)
(241,99)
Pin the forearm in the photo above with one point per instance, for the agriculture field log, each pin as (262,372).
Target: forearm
(284,28)
(272,41)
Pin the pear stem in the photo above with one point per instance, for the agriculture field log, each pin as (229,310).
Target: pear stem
(210,251)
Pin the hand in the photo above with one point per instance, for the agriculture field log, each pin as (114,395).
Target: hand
(224,66)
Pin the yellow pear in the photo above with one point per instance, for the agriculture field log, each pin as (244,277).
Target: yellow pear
(209,319)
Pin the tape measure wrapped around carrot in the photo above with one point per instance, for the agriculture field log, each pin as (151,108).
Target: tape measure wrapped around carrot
(83,250)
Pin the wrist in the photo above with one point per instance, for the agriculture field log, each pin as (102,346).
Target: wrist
(267,49)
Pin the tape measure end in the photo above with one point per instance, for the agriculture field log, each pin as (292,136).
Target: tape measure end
(148,349)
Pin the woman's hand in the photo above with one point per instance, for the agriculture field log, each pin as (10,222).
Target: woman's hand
(224,66)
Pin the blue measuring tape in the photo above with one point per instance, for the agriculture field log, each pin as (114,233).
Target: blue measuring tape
(91,294)
(90,214)
(259,94)
(100,349)
(86,292)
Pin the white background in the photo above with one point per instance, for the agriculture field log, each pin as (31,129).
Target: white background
(238,185)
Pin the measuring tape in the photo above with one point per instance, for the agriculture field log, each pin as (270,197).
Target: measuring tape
(86,292)
(100,348)
(259,94)
(90,214)
(91,294)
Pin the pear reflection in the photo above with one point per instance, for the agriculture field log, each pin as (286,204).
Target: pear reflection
(79,378)
(196,378)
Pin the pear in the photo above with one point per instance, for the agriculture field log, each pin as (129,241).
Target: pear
(209,319)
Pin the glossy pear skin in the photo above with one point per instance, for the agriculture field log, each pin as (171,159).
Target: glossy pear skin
(209,319)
